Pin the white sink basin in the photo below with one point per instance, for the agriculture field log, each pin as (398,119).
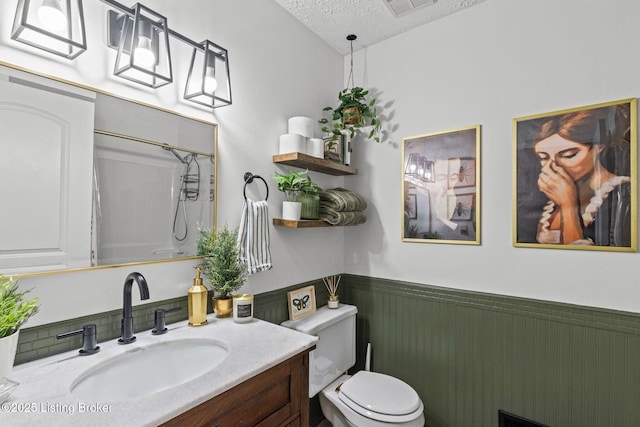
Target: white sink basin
(150,369)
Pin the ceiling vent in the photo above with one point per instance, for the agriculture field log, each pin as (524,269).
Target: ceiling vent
(402,7)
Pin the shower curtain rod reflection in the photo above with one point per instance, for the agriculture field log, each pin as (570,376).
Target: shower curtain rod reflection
(147,141)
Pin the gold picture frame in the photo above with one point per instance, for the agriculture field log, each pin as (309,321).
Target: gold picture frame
(302,302)
(441,187)
(575,177)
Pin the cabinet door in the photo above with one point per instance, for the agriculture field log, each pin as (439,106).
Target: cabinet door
(276,397)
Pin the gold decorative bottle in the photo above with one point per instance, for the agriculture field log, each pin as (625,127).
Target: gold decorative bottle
(198,297)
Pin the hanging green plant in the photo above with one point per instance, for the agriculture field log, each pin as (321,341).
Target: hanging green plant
(354,111)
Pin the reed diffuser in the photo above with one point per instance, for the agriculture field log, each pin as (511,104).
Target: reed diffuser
(332,283)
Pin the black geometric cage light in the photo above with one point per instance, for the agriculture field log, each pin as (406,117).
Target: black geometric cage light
(141,37)
(208,82)
(142,41)
(55,26)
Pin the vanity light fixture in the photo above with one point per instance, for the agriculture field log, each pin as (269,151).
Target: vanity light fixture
(208,80)
(142,39)
(56,26)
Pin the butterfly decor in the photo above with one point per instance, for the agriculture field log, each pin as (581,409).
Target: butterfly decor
(302,302)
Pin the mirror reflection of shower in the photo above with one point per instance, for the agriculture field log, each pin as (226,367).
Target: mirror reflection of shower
(189,191)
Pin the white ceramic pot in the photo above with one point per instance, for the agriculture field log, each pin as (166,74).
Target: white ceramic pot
(291,210)
(8,347)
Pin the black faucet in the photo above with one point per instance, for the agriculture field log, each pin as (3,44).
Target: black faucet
(127,317)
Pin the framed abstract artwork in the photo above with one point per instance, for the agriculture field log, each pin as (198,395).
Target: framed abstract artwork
(575,178)
(441,187)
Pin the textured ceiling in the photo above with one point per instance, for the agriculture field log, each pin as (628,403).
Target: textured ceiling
(371,20)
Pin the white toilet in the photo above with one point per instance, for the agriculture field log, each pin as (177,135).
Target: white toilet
(366,399)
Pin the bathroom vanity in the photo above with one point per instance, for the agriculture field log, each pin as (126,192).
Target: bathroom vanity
(276,397)
(261,379)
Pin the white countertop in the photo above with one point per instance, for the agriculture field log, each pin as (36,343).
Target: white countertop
(44,397)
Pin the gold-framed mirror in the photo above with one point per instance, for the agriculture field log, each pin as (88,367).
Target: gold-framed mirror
(94,180)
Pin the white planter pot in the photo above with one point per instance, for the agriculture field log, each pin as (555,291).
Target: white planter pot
(8,346)
(291,210)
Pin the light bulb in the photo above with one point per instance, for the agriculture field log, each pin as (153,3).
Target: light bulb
(143,54)
(51,16)
(210,82)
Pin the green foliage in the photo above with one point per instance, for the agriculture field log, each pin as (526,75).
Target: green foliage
(220,263)
(310,187)
(14,308)
(291,184)
(367,115)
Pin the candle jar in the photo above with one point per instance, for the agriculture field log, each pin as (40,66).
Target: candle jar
(243,308)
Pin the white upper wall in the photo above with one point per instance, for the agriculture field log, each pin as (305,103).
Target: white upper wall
(486,65)
(279,69)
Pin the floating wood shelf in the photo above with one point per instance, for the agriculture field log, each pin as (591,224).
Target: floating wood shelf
(304,161)
(303,223)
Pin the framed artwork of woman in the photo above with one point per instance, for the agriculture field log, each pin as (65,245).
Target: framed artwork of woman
(575,177)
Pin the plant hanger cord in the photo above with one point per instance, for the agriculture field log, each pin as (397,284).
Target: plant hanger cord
(351,38)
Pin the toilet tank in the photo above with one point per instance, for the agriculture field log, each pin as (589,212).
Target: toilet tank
(336,347)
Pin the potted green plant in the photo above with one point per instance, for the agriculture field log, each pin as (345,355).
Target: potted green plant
(15,310)
(291,185)
(354,111)
(309,199)
(221,266)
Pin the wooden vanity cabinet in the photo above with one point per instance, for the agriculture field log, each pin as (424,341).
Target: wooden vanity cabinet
(277,397)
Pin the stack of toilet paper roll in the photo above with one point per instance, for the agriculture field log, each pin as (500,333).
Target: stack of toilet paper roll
(300,138)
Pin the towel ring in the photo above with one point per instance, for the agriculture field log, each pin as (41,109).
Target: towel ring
(248,179)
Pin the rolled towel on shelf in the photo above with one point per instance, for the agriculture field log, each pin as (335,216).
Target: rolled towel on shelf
(339,206)
(342,200)
(343,218)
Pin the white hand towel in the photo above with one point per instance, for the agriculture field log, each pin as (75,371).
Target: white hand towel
(253,236)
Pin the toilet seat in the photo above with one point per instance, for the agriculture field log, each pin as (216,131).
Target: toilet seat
(381,397)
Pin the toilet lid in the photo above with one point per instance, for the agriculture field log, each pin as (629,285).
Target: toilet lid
(379,396)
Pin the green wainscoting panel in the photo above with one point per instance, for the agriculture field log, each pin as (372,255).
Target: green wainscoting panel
(470,354)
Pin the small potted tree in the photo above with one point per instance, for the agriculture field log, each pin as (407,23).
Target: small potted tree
(291,184)
(221,266)
(15,310)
